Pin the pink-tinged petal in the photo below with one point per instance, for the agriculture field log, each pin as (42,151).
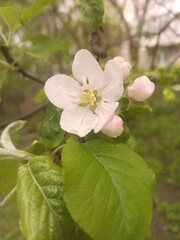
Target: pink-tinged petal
(141,89)
(105,112)
(123,65)
(86,70)
(78,120)
(62,90)
(114,128)
(113,89)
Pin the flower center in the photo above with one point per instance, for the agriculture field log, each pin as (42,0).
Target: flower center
(90,98)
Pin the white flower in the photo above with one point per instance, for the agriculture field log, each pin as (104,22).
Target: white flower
(141,89)
(89,99)
(113,128)
(124,66)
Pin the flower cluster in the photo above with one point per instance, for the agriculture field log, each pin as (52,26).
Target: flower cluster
(90,98)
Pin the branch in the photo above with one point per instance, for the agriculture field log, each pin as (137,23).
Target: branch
(142,20)
(169,22)
(8,197)
(120,11)
(162,5)
(173,61)
(6,53)
(155,51)
(96,47)
(24,116)
(127,32)
(158,37)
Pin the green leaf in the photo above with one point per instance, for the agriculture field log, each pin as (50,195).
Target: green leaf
(39,196)
(107,190)
(92,11)
(35,9)
(52,135)
(8,175)
(8,151)
(40,201)
(5,138)
(40,96)
(11,16)
(44,46)
(36,148)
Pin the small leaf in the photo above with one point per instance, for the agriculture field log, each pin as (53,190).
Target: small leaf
(11,16)
(46,46)
(92,11)
(107,190)
(40,96)
(52,135)
(9,151)
(35,148)
(40,200)
(33,10)
(11,154)
(5,139)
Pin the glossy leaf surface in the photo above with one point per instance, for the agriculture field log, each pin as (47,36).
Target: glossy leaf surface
(108,190)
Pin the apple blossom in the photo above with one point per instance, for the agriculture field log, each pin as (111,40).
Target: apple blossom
(124,65)
(114,127)
(89,99)
(141,89)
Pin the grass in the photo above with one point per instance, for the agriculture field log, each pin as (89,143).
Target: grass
(171,213)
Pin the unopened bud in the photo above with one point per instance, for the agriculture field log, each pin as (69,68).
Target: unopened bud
(141,89)
(125,66)
(114,128)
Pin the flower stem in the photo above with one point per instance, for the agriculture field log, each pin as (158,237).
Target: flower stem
(81,139)
(8,197)
(58,149)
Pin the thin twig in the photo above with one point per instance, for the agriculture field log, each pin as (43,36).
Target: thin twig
(158,38)
(6,53)
(173,61)
(8,197)
(25,116)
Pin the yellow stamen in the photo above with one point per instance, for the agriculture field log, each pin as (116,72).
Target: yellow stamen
(89,97)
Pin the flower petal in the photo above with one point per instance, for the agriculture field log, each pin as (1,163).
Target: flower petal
(124,66)
(114,128)
(105,112)
(141,89)
(86,69)
(62,90)
(114,88)
(78,120)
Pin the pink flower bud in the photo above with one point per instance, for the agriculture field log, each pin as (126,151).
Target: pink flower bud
(141,89)
(114,128)
(125,66)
